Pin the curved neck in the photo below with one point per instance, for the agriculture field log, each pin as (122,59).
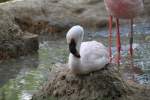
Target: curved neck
(74,63)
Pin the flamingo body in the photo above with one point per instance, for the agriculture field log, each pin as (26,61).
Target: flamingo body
(85,57)
(126,9)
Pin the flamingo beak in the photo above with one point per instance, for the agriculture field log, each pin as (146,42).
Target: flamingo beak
(72,48)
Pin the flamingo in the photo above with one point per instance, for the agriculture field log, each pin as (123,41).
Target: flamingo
(122,9)
(85,57)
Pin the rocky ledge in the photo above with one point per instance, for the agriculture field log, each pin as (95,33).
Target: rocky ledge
(13,41)
(56,15)
(38,16)
(25,45)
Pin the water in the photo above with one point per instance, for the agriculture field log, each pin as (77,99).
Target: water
(20,78)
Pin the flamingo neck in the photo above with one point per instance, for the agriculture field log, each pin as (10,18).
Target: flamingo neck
(78,46)
(74,64)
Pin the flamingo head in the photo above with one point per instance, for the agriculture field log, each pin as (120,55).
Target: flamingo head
(74,38)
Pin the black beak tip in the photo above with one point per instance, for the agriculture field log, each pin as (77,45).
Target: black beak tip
(78,56)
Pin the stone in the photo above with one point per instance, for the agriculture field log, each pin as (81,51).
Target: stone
(27,44)
(8,29)
(56,15)
(31,43)
(13,41)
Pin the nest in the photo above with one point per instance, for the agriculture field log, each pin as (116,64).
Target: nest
(105,84)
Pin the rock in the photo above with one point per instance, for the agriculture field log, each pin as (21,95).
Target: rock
(13,41)
(8,29)
(56,15)
(38,26)
(31,43)
(102,84)
(52,16)
(27,44)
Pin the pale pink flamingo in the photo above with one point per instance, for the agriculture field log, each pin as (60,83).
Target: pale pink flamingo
(122,9)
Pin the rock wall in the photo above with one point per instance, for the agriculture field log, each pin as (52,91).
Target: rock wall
(8,29)
(13,41)
(52,16)
(57,15)
(62,13)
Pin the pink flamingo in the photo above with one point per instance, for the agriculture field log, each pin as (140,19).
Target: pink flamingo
(122,9)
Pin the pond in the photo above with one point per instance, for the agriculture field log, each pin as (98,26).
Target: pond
(21,77)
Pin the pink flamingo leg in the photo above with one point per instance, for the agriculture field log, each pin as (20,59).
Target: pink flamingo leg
(110,37)
(118,41)
(131,42)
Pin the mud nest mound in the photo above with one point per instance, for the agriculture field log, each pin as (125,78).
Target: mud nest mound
(105,84)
